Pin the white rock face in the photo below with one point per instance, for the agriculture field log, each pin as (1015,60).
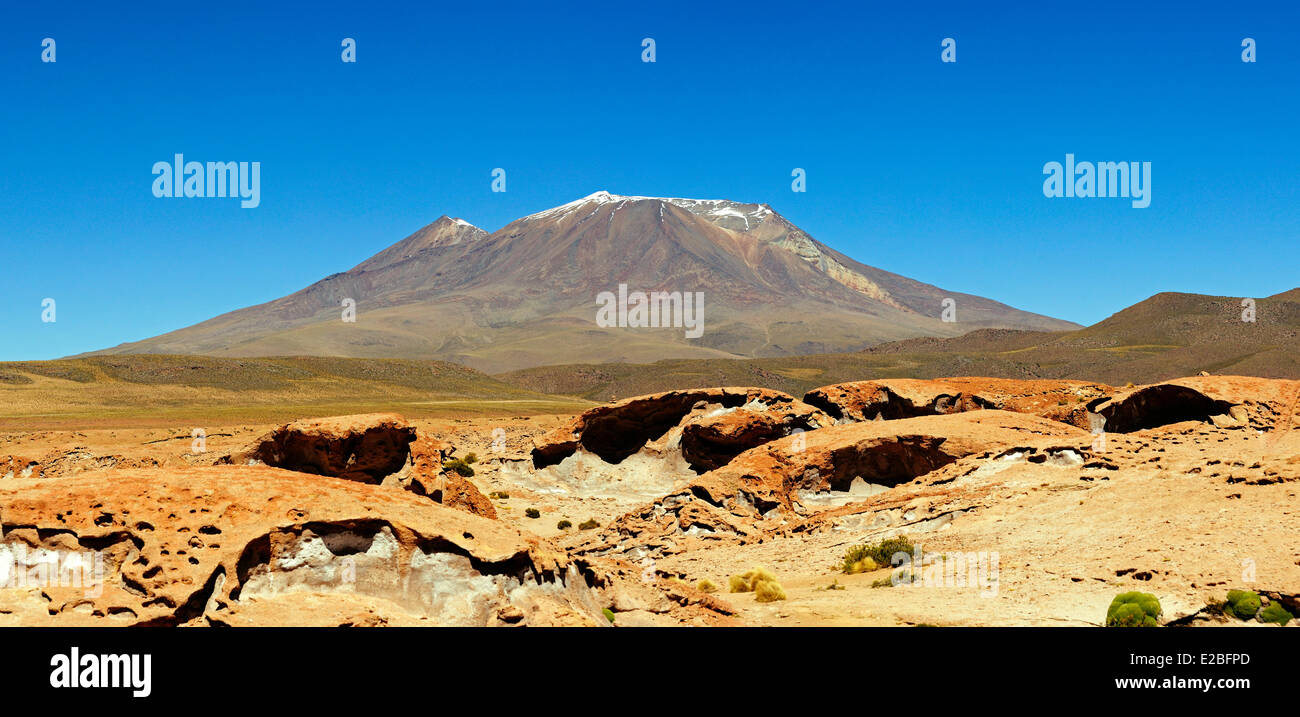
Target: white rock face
(441,585)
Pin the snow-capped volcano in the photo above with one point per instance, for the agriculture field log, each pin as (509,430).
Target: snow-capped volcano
(526,294)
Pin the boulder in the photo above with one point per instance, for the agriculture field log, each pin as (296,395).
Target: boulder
(890,399)
(375,448)
(223,545)
(366,447)
(1224,401)
(880,453)
(737,502)
(713,425)
(427,477)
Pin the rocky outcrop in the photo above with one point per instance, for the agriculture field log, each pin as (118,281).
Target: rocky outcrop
(20,467)
(890,399)
(794,476)
(207,546)
(365,448)
(1225,401)
(713,425)
(875,453)
(711,441)
(375,448)
(427,477)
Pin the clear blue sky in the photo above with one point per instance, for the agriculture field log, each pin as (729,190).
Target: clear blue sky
(927,169)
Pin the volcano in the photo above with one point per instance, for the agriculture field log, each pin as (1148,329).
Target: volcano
(527,294)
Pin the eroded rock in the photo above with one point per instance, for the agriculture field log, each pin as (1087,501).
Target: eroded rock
(365,447)
(1224,401)
(891,399)
(195,546)
(426,476)
(714,425)
(795,476)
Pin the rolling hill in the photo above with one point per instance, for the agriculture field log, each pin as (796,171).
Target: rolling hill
(1166,336)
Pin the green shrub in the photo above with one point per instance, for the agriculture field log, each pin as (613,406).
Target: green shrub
(737,584)
(499,495)
(1243,603)
(564,525)
(460,466)
(609,614)
(471,458)
(588,524)
(1275,613)
(533,513)
(1133,609)
(879,554)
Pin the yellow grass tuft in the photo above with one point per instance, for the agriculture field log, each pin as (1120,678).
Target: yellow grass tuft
(760,581)
(768,591)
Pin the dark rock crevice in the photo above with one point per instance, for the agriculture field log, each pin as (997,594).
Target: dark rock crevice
(1159,405)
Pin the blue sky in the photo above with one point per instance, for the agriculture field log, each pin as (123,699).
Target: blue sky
(928,169)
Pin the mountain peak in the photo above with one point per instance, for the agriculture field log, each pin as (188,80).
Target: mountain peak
(445,220)
(442,232)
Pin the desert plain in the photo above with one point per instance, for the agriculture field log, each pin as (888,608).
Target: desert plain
(418,493)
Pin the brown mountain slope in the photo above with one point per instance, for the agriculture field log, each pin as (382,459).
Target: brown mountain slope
(526,294)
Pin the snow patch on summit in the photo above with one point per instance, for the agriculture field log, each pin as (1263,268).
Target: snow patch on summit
(750,214)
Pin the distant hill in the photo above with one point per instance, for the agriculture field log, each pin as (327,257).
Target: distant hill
(1166,336)
(526,295)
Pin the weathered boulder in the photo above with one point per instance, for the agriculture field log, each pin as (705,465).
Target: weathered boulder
(895,398)
(365,447)
(1225,401)
(375,448)
(781,477)
(223,545)
(881,453)
(426,476)
(714,425)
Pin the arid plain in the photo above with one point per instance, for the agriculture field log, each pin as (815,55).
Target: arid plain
(337,492)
